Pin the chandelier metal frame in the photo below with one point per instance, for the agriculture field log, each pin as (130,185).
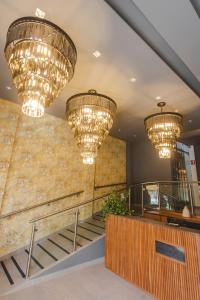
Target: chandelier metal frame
(90,116)
(163,129)
(42,59)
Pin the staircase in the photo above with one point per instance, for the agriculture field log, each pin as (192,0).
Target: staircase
(49,252)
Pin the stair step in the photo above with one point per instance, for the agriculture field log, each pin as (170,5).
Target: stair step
(21,259)
(15,273)
(95,223)
(57,252)
(64,235)
(93,228)
(84,236)
(4,281)
(48,251)
(98,219)
(62,244)
(89,229)
(15,262)
(88,233)
(35,260)
(4,265)
(79,239)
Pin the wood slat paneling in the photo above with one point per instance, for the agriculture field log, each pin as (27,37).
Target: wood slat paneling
(130,253)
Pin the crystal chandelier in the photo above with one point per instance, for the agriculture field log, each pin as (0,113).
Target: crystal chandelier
(163,129)
(90,116)
(42,58)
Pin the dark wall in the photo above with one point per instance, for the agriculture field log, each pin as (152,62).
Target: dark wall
(197,158)
(145,165)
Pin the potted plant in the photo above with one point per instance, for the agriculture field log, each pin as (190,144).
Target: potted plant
(116,204)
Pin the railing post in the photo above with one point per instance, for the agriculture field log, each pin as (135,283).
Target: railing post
(30,250)
(142,202)
(93,190)
(75,230)
(159,204)
(191,198)
(129,198)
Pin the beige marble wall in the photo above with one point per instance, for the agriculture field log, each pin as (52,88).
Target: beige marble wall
(40,161)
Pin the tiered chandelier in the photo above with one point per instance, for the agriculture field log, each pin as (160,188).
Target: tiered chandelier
(42,58)
(163,129)
(90,116)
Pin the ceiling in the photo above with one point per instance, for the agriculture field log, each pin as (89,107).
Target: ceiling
(94,25)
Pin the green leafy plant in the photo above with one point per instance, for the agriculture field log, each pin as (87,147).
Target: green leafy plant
(116,204)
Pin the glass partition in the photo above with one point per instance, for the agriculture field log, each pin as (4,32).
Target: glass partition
(169,195)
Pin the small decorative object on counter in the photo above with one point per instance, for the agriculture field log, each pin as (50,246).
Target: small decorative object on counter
(186,212)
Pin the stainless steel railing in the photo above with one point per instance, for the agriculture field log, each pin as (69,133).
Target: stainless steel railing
(177,191)
(40,205)
(76,214)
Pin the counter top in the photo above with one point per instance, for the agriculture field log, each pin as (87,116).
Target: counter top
(145,220)
(173,214)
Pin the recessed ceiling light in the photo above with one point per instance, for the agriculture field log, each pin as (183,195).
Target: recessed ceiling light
(133,79)
(96,53)
(40,13)
(8,88)
(190,121)
(158,98)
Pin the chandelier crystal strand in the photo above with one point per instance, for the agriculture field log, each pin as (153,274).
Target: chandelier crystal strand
(90,116)
(163,130)
(42,58)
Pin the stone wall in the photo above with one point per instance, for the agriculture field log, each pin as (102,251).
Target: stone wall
(40,161)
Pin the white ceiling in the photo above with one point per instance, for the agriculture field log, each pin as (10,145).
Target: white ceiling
(179,24)
(93,25)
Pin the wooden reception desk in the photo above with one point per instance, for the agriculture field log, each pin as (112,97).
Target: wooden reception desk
(161,259)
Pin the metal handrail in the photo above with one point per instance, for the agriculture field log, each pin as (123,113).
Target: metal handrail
(72,207)
(159,183)
(166,182)
(163,181)
(34,229)
(108,185)
(39,205)
(168,195)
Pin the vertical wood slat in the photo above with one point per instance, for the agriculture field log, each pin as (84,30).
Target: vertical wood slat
(130,253)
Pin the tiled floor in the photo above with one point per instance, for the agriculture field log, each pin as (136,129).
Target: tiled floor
(93,282)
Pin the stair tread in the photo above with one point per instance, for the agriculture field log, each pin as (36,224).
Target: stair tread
(57,252)
(13,271)
(21,259)
(80,240)
(87,234)
(91,227)
(4,283)
(42,257)
(48,251)
(67,245)
(95,223)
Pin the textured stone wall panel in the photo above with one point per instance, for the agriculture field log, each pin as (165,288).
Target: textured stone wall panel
(40,161)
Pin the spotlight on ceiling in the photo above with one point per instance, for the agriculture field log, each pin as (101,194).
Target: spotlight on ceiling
(97,53)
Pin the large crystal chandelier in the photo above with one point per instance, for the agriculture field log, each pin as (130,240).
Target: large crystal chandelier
(90,116)
(41,57)
(163,129)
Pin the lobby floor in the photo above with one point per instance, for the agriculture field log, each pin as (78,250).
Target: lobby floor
(91,282)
